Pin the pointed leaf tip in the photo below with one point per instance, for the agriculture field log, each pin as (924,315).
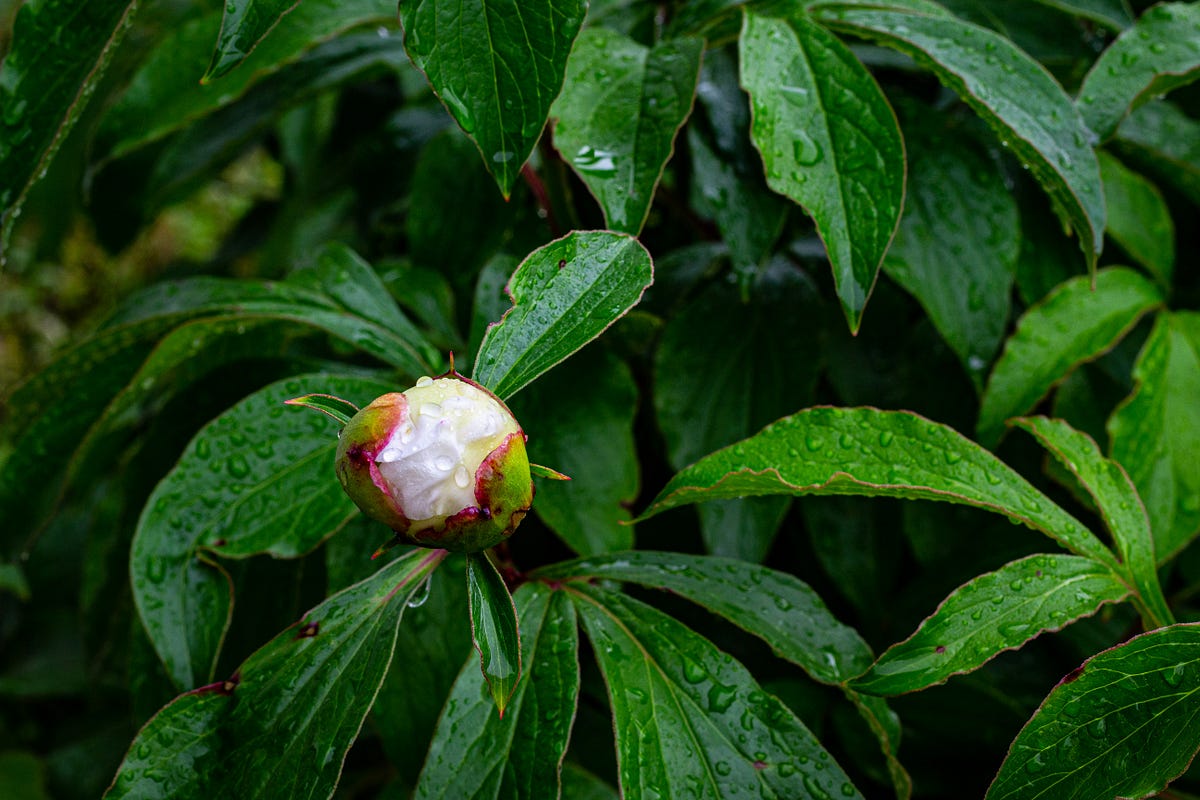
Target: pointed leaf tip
(341,410)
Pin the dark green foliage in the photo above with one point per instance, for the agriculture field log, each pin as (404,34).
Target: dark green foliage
(866,332)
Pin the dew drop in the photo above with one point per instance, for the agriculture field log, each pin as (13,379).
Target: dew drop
(462,478)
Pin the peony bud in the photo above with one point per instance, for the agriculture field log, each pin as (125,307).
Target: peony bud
(443,464)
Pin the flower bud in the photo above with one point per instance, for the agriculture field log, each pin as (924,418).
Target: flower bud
(443,464)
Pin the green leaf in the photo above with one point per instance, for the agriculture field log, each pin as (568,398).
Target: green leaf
(59,53)
(1155,432)
(1010,91)
(12,581)
(431,647)
(1165,142)
(1138,218)
(1077,322)
(564,295)
(589,436)
(1124,724)
(497,65)
(617,116)
(243,26)
(22,776)
(258,479)
(732,191)
(477,754)
(335,407)
(1112,14)
(447,175)
(198,152)
(166,94)
(864,451)
(1121,508)
(829,141)
(996,611)
(687,715)
(728,184)
(957,247)
(885,725)
(281,725)
(725,368)
(1159,53)
(769,604)
(82,407)
(494,629)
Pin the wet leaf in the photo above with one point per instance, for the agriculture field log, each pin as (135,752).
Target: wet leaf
(769,604)
(564,295)
(59,53)
(996,611)
(1117,500)
(281,725)
(1159,53)
(829,140)
(258,479)
(724,368)
(1165,142)
(494,629)
(864,451)
(166,94)
(1010,91)
(1112,14)
(1076,322)
(476,753)
(591,440)
(243,26)
(687,715)
(617,116)
(497,65)
(957,247)
(1155,432)
(1091,737)
(1138,219)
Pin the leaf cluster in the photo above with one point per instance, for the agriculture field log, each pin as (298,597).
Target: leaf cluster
(865,330)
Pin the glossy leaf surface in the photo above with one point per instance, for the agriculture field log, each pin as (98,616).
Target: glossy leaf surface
(1014,94)
(590,439)
(728,184)
(1155,432)
(829,141)
(258,479)
(497,65)
(1139,219)
(778,608)
(564,295)
(58,54)
(864,451)
(478,754)
(1073,324)
(166,93)
(1124,724)
(282,723)
(1113,14)
(494,629)
(341,411)
(1117,499)
(702,404)
(687,715)
(244,24)
(957,247)
(1160,52)
(1164,141)
(994,612)
(617,116)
